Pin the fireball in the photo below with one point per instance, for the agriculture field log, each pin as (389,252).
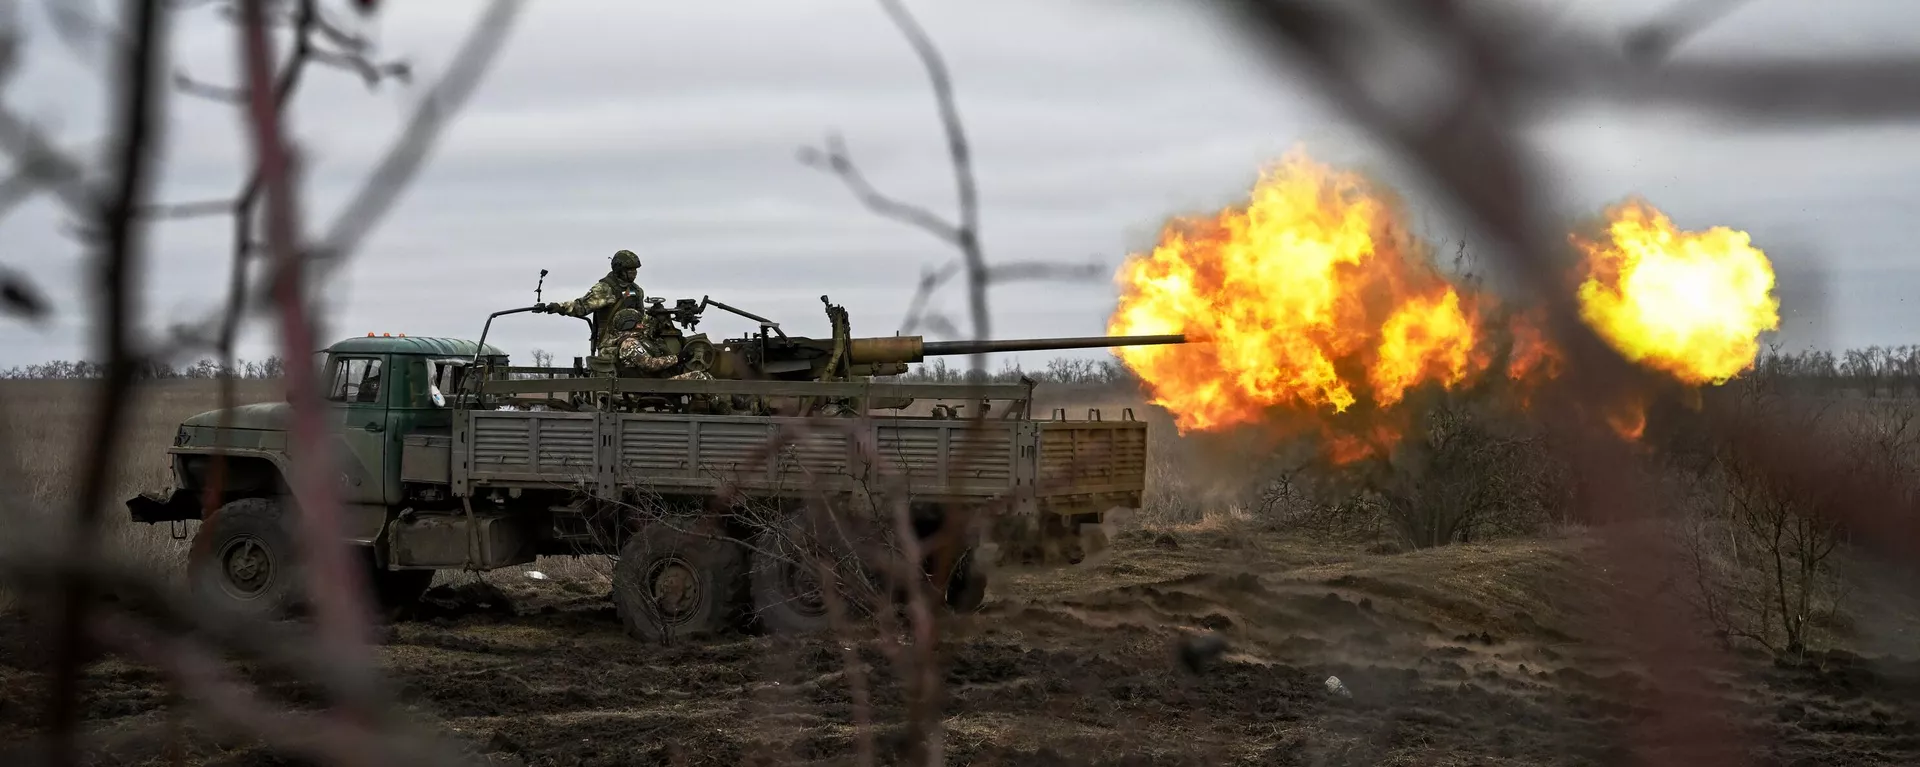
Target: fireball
(1532,355)
(1689,304)
(1309,297)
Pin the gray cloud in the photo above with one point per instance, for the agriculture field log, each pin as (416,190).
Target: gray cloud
(672,130)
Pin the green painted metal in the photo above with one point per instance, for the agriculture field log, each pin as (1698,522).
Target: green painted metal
(271,416)
(875,389)
(367,437)
(432,347)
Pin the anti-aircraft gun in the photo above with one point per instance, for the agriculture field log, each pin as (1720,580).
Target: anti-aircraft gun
(770,354)
(452,459)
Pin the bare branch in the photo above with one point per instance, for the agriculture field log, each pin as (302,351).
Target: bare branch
(209,91)
(19,297)
(83,33)
(57,170)
(196,209)
(1849,92)
(15,190)
(206,682)
(1659,37)
(963,234)
(335,586)
(930,280)
(1462,133)
(140,97)
(339,37)
(833,158)
(1041,271)
(370,72)
(968,229)
(940,324)
(437,108)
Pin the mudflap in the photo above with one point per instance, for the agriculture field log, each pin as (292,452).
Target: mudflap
(176,506)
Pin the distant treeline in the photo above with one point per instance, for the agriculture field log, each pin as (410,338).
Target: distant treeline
(1058,370)
(269,368)
(1874,371)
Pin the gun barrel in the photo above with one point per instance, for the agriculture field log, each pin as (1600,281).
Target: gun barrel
(939,348)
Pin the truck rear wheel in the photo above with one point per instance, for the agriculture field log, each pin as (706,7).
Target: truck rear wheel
(244,557)
(673,584)
(785,578)
(966,584)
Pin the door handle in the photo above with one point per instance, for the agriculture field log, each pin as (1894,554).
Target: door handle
(375,427)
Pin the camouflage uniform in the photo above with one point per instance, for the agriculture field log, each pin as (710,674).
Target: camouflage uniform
(632,348)
(612,293)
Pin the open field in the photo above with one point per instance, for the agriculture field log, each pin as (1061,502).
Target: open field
(1488,653)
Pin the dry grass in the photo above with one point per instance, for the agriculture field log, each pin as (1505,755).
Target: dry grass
(1489,619)
(49,418)
(1207,488)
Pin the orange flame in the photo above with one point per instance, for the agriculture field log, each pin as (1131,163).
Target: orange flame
(1310,297)
(1689,304)
(1628,419)
(1531,353)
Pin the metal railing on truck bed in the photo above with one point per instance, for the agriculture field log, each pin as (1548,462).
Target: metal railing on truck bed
(1055,465)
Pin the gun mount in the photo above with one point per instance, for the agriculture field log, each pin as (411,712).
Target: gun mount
(457,460)
(773,355)
(770,355)
(826,359)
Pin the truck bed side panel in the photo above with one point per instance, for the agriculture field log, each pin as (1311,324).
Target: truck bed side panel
(518,446)
(1103,459)
(671,453)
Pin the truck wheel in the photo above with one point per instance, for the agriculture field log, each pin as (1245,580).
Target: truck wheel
(243,557)
(671,584)
(966,587)
(785,578)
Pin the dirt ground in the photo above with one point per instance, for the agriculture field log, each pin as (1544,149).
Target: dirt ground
(1484,654)
(1464,655)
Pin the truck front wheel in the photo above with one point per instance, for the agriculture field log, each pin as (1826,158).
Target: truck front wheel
(672,583)
(244,557)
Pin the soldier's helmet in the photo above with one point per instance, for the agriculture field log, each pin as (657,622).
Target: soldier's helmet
(627,320)
(625,259)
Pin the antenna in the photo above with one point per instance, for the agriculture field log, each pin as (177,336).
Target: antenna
(537,286)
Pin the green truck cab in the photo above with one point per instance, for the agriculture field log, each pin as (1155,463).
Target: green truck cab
(710,491)
(376,391)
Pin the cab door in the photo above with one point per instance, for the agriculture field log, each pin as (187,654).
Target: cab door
(359,395)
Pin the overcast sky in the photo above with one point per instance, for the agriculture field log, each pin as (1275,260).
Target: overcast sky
(671,130)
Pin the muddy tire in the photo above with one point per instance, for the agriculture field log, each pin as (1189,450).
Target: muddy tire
(672,585)
(244,558)
(966,585)
(1093,539)
(785,582)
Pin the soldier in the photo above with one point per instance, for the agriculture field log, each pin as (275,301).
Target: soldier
(612,293)
(632,347)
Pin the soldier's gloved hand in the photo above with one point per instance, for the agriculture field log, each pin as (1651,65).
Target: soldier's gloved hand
(544,308)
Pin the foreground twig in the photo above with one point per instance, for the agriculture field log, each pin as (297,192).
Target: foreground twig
(1463,134)
(436,110)
(114,280)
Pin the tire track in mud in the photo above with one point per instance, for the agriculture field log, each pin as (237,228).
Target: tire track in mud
(1411,687)
(1445,661)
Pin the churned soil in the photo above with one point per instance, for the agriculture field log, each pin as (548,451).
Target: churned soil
(1188,646)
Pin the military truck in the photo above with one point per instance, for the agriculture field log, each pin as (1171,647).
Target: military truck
(450,458)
